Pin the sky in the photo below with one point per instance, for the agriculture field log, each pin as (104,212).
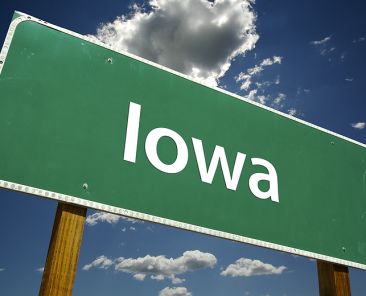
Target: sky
(303,58)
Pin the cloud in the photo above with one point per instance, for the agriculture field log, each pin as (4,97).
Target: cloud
(323,46)
(2,269)
(97,217)
(321,42)
(253,96)
(157,267)
(101,262)
(248,267)
(124,229)
(197,37)
(139,276)
(93,219)
(160,267)
(278,100)
(177,291)
(301,90)
(258,94)
(41,269)
(349,79)
(343,57)
(177,281)
(359,125)
(269,62)
(360,39)
(150,228)
(292,111)
(265,84)
(245,78)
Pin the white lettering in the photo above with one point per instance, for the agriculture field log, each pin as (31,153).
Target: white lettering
(132,132)
(207,173)
(218,156)
(152,154)
(271,177)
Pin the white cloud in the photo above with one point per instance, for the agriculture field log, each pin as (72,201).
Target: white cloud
(275,102)
(292,111)
(323,46)
(248,267)
(277,80)
(343,57)
(245,78)
(177,291)
(131,228)
(150,228)
(360,39)
(349,79)
(2,269)
(161,267)
(157,267)
(261,99)
(176,280)
(321,42)
(301,90)
(97,217)
(270,62)
(359,125)
(102,217)
(101,262)
(158,277)
(263,85)
(197,37)
(139,276)
(41,269)
(325,51)
(278,101)
(253,96)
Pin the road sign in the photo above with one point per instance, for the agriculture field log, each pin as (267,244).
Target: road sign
(84,124)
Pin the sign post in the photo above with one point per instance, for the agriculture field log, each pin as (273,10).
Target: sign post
(63,251)
(333,279)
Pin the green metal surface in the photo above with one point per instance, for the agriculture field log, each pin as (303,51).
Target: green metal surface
(63,117)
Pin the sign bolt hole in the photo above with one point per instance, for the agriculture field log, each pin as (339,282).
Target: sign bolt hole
(1,62)
(332,143)
(109,60)
(85,186)
(344,249)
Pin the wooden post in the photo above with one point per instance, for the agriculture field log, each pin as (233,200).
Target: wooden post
(333,279)
(63,251)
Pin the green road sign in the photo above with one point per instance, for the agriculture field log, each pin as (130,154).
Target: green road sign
(84,124)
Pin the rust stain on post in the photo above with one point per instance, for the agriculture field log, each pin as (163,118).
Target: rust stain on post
(333,279)
(63,251)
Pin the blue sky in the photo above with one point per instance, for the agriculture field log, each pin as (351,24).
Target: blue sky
(303,58)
